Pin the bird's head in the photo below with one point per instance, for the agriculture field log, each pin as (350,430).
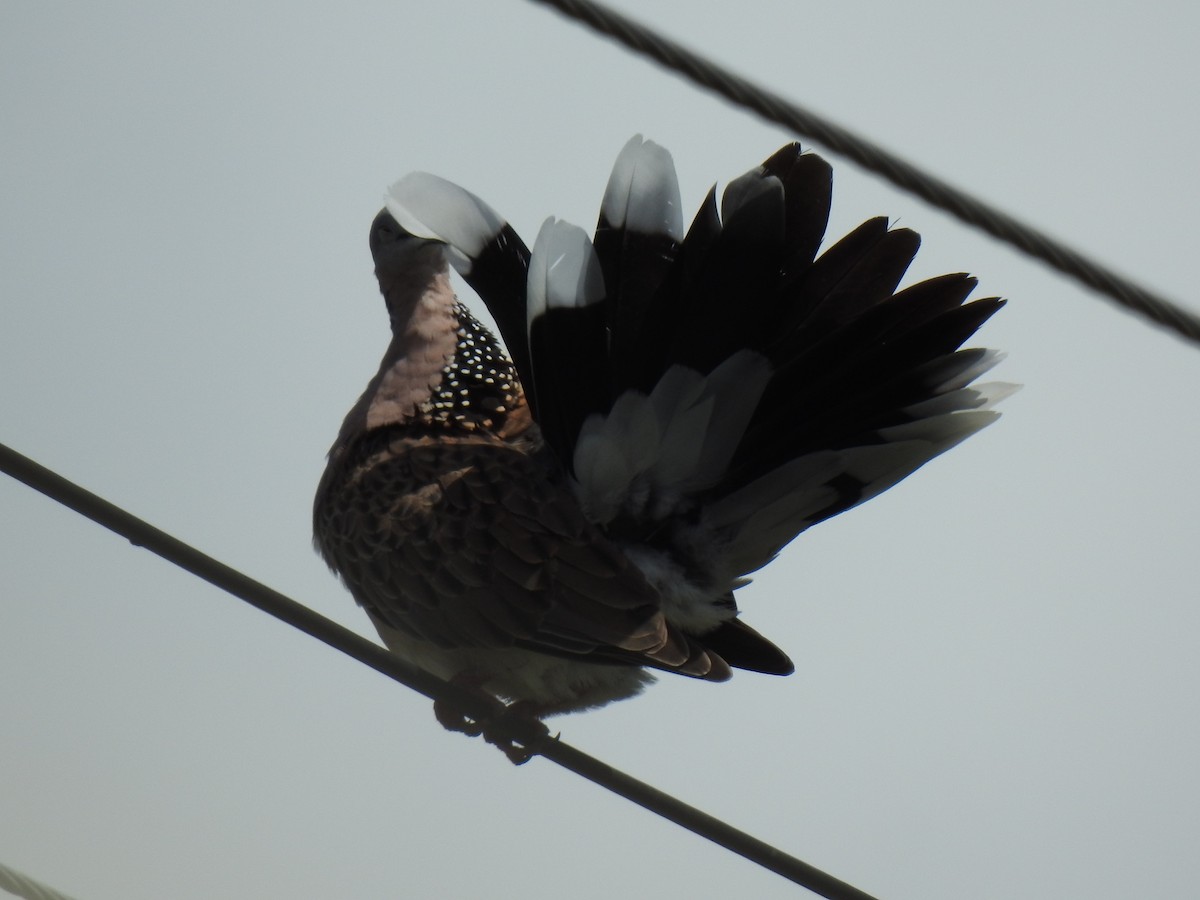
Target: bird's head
(406,265)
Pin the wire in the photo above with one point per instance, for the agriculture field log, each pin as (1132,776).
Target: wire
(530,734)
(966,208)
(23,886)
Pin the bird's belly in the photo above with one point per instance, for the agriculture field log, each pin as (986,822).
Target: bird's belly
(555,684)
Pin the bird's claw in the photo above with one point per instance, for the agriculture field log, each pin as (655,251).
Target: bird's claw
(519,750)
(498,727)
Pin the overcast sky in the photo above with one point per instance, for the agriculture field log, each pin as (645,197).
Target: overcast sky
(997,661)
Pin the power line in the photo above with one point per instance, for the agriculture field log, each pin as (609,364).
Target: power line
(23,886)
(966,208)
(530,734)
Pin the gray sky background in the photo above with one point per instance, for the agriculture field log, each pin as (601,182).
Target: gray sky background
(997,660)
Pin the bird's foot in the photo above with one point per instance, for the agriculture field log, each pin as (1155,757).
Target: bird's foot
(454,718)
(518,732)
(516,729)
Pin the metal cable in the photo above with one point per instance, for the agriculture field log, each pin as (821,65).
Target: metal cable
(13,882)
(530,734)
(966,208)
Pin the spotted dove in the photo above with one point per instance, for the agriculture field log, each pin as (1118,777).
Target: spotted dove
(549,524)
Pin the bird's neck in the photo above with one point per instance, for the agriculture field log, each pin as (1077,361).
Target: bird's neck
(413,367)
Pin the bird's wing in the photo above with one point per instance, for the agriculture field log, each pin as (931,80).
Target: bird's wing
(473,543)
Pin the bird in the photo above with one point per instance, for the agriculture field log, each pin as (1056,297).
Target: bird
(550,518)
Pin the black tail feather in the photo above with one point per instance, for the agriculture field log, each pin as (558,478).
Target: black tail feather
(808,189)
(848,355)
(744,648)
(499,275)
(571,374)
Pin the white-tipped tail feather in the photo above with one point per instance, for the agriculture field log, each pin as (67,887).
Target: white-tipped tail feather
(643,193)
(433,208)
(563,270)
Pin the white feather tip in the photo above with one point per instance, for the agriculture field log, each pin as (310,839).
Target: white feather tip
(643,192)
(435,209)
(563,269)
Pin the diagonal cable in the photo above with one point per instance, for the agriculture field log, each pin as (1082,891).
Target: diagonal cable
(974,212)
(14,882)
(532,735)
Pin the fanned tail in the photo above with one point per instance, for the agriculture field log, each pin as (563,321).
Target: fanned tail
(716,392)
